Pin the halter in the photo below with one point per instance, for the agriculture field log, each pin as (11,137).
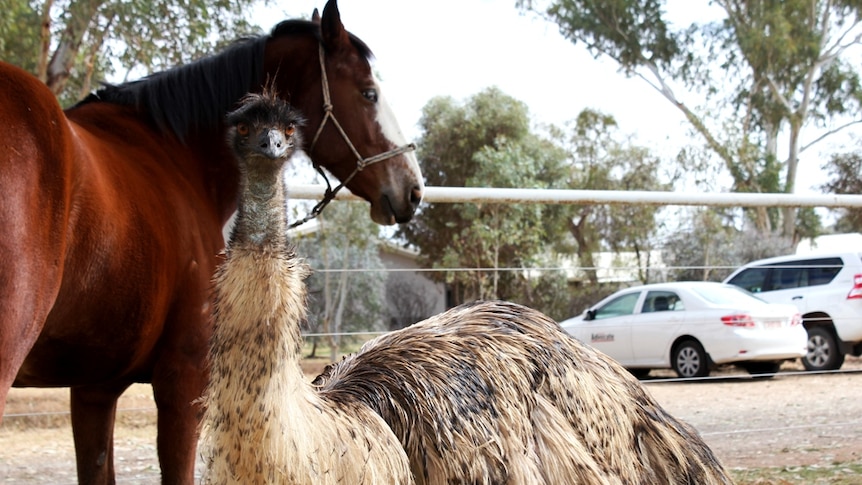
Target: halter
(361,162)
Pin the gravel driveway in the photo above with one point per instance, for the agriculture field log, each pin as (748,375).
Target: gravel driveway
(793,419)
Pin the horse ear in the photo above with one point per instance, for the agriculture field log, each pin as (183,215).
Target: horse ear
(332,30)
(315,16)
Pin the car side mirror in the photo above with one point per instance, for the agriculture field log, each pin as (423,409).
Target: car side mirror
(591,315)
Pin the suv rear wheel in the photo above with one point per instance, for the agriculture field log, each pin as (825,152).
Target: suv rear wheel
(823,351)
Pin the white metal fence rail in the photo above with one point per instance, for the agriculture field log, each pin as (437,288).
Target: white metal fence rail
(570,197)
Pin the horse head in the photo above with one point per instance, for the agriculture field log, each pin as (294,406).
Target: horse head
(351,130)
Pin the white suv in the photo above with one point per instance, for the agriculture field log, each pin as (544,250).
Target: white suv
(827,289)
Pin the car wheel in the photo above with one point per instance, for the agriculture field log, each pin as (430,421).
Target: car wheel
(689,359)
(763,370)
(823,352)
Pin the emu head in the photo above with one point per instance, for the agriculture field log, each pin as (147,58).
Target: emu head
(262,132)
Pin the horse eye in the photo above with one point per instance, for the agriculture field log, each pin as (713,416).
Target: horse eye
(370,95)
(242,129)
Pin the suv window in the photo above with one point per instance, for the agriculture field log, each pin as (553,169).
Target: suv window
(753,279)
(789,274)
(805,272)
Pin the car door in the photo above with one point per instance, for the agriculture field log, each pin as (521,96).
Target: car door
(656,326)
(609,329)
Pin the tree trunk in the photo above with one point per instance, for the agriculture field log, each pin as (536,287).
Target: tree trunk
(585,253)
(789,213)
(339,308)
(45,40)
(58,70)
(313,352)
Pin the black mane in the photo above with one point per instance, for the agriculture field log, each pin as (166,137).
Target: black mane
(196,96)
(192,96)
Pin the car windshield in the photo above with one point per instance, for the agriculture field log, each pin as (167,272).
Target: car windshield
(726,295)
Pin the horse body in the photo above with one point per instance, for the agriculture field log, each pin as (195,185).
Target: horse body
(115,252)
(113,218)
(121,295)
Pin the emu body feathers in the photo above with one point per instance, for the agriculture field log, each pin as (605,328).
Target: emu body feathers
(494,392)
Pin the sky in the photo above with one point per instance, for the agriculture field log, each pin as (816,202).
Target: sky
(458,48)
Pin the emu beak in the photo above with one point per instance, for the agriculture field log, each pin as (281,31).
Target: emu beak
(273,144)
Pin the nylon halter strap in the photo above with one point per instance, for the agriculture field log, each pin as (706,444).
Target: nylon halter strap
(361,162)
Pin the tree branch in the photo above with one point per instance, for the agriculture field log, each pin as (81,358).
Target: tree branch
(828,134)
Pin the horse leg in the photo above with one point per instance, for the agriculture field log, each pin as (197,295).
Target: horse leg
(94,410)
(179,380)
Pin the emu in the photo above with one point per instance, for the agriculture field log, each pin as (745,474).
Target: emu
(497,393)
(264,423)
(486,393)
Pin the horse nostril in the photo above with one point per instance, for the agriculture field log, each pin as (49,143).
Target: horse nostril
(416,195)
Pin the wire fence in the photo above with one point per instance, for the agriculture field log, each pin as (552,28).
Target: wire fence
(358,337)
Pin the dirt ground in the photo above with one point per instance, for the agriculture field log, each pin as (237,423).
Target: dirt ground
(792,420)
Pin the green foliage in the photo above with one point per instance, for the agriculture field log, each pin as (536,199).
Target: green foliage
(91,39)
(19,34)
(546,290)
(845,177)
(598,160)
(606,26)
(485,142)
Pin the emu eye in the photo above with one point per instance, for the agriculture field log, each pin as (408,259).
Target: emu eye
(242,129)
(290,130)
(370,95)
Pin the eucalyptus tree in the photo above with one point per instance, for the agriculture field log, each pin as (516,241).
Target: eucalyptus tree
(845,177)
(70,44)
(707,246)
(598,159)
(767,68)
(485,142)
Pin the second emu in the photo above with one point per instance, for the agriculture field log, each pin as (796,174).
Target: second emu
(486,393)
(264,424)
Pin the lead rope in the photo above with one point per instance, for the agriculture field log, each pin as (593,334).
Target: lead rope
(361,163)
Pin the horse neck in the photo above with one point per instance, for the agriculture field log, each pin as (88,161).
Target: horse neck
(217,169)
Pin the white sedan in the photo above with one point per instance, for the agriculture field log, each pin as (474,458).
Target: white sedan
(691,327)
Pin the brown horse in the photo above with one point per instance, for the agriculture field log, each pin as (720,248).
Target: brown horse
(112,216)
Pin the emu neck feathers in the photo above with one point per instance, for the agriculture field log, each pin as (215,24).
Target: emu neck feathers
(261,217)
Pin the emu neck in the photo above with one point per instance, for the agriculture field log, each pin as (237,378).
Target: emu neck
(261,220)
(259,305)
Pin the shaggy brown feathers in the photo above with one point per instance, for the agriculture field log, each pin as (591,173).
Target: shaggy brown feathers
(497,393)
(264,423)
